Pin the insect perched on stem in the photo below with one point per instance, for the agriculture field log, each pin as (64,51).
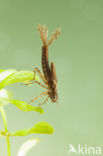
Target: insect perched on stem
(49,73)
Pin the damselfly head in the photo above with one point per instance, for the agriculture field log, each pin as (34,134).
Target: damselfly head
(54,96)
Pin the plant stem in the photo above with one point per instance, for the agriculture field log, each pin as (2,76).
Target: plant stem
(6,130)
(8,145)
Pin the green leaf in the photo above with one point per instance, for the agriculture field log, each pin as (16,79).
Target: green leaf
(22,132)
(5,94)
(6,73)
(41,128)
(5,97)
(26,146)
(1,70)
(17,76)
(4,101)
(26,107)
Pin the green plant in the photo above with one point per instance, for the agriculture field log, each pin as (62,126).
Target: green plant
(8,77)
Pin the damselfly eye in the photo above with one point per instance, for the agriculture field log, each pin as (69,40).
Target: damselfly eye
(54,98)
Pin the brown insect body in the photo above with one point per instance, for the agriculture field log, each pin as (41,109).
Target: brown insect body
(45,63)
(49,74)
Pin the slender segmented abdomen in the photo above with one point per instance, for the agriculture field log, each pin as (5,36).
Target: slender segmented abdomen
(45,63)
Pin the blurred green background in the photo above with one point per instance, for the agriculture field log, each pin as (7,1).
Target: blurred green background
(78,55)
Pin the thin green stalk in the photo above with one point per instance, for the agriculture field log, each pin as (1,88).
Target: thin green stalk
(6,130)
(8,145)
